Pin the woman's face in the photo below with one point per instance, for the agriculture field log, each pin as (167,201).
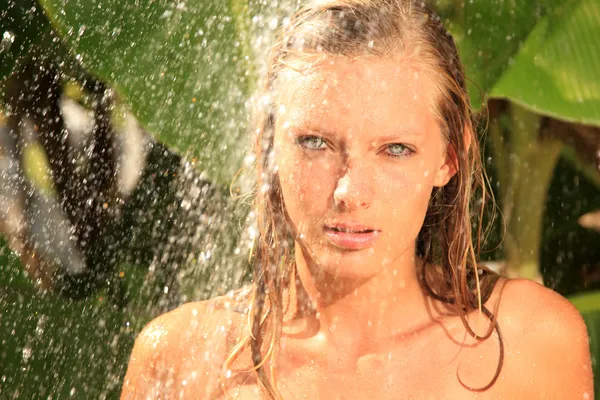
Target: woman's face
(358,151)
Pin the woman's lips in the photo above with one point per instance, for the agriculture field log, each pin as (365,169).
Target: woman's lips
(354,238)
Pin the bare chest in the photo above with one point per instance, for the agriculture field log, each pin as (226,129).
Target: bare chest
(428,369)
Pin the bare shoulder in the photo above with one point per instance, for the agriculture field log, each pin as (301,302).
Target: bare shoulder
(527,307)
(546,341)
(166,333)
(182,350)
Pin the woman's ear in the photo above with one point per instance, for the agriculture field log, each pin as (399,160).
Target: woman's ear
(448,169)
(451,165)
(468,136)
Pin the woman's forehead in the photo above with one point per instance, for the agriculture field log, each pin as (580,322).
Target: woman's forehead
(345,93)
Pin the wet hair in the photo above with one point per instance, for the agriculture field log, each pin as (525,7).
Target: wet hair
(449,273)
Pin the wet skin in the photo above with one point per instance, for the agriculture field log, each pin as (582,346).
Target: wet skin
(358,150)
(177,356)
(357,145)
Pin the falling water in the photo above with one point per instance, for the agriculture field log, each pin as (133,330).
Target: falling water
(160,94)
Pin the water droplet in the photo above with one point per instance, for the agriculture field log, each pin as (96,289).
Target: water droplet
(26,354)
(273,23)
(8,38)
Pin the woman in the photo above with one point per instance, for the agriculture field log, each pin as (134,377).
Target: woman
(366,283)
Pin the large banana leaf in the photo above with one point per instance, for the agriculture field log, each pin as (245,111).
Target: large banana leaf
(176,63)
(541,54)
(557,72)
(491,35)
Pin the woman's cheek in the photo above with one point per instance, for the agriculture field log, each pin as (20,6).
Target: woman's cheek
(311,183)
(287,178)
(406,194)
(294,175)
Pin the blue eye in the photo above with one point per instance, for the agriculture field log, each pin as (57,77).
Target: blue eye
(312,142)
(398,150)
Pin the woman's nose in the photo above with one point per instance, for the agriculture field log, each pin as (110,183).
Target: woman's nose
(353,190)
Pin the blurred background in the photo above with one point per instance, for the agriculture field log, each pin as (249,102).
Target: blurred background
(123,124)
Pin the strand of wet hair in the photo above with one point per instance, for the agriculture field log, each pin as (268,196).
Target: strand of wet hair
(493,321)
(256,335)
(500,357)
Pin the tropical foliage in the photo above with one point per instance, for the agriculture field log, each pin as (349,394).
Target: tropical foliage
(185,70)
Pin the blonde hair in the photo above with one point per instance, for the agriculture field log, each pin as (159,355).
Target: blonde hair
(381,28)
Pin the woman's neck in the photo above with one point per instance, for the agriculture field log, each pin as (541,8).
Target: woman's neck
(354,313)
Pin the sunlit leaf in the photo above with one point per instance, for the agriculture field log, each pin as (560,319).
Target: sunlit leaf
(176,63)
(542,55)
(493,33)
(37,169)
(557,72)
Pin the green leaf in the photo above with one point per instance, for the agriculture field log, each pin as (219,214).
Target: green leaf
(588,305)
(493,33)
(587,302)
(22,24)
(592,322)
(557,72)
(175,63)
(37,169)
(542,55)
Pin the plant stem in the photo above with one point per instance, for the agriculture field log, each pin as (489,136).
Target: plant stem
(530,166)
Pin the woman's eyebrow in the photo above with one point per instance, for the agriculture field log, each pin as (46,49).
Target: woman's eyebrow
(402,134)
(313,129)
